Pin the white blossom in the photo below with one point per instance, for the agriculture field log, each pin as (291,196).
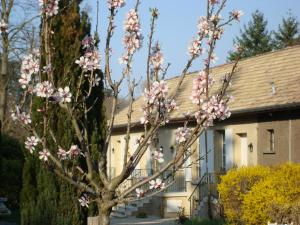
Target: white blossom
(84,201)
(62,154)
(182,134)
(31,143)
(44,89)
(156,184)
(64,94)
(49,7)
(139,192)
(44,154)
(159,156)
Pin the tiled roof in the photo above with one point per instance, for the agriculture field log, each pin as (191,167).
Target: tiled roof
(251,84)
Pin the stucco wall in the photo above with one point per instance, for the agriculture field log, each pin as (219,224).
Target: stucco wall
(287,142)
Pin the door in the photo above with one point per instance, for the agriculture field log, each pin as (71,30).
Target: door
(244,149)
(210,150)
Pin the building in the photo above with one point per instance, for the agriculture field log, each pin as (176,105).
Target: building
(264,129)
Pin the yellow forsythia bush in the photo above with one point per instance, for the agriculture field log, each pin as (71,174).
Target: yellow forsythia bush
(235,185)
(276,198)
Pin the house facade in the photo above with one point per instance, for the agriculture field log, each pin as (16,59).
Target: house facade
(264,129)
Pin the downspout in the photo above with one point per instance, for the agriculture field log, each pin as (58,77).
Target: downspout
(290,140)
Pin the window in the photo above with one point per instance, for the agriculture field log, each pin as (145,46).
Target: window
(271,140)
(223,148)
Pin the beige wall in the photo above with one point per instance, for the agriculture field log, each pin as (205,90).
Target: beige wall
(287,142)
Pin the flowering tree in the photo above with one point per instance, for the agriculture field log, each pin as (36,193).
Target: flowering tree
(76,164)
(14,38)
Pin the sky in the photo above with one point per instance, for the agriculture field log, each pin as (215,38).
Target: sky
(176,26)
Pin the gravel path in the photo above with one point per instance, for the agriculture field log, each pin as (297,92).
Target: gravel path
(151,220)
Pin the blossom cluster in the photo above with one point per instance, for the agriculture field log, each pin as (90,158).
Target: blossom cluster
(157,101)
(182,134)
(90,61)
(159,156)
(212,109)
(49,7)
(199,87)
(73,152)
(195,48)
(133,37)
(3,26)
(156,58)
(22,117)
(116,3)
(30,66)
(156,184)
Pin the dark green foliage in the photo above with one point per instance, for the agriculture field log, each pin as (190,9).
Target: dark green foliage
(11,164)
(45,196)
(254,39)
(287,32)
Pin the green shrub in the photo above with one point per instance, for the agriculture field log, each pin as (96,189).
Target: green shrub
(235,185)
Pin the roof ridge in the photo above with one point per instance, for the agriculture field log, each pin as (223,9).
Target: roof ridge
(243,60)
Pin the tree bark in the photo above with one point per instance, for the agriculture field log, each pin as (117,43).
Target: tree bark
(3,81)
(104,214)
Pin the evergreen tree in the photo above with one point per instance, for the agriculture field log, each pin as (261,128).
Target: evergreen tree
(254,39)
(287,32)
(52,199)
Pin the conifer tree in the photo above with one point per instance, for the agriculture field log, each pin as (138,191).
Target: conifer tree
(287,32)
(254,39)
(55,200)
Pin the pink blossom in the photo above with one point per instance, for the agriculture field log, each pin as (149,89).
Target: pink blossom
(199,87)
(25,80)
(236,14)
(182,134)
(90,61)
(116,3)
(88,42)
(43,155)
(44,89)
(64,94)
(156,184)
(156,58)
(211,110)
(49,7)
(62,154)
(204,27)
(159,156)
(84,201)
(31,143)
(133,37)
(24,118)
(139,192)
(74,151)
(195,48)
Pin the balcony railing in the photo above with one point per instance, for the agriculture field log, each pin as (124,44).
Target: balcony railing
(178,179)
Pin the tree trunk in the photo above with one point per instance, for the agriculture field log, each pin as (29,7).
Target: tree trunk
(104,218)
(103,213)
(3,79)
